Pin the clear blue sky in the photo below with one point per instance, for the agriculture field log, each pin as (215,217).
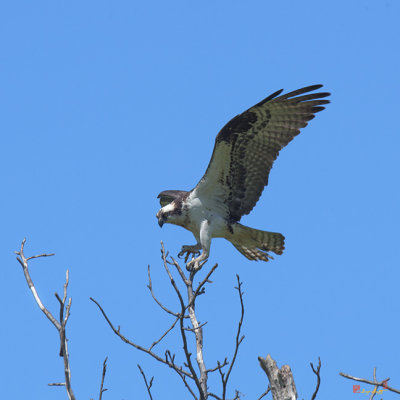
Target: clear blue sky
(105,104)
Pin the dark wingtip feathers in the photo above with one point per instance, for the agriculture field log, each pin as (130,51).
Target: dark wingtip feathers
(291,96)
(316,109)
(269,98)
(312,87)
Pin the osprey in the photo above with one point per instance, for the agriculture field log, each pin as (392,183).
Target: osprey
(244,152)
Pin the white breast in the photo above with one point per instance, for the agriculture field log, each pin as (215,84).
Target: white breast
(198,211)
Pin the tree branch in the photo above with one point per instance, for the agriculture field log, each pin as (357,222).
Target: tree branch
(150,286)
(103,375)
(183,377)
(148,385)
(136,346)
(238,338)
(265,393)
(24,264)
(203,394)
(59,325)
(164,334)
(316,372)
(382,383)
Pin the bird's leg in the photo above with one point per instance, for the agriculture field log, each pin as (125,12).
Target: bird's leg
(188,250)
(205,243)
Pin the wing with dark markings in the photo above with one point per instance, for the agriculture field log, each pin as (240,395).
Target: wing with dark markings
(247,146)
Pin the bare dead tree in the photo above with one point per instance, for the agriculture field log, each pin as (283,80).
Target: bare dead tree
(60,324)
(377,384)
(194,374)
(193,371)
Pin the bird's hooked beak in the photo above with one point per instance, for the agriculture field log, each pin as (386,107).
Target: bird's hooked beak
(161,218)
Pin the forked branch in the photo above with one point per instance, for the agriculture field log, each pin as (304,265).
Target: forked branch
(317,373)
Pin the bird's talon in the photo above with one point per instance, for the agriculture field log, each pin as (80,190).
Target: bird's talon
(190,266)
(194,265)
(188,251)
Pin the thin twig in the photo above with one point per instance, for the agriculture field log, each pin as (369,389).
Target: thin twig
(179,269)
(40,255)
(178,293)
(225,362)
(136,346)
(237,395)
(375,387)
(194,329)
(103,375)
(238,341)
(203,282)
(183,377)
(316,372)
(164,334)
(265,393)
(148,385)
(150,286)
(382,383)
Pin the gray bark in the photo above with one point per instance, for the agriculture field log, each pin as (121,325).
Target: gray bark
(281,380)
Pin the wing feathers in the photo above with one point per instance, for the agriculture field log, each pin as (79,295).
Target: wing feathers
(300,99)
(247,146)
(317,109)
(270,97)
(300,91)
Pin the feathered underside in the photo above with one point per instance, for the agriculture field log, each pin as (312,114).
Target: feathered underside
(247,146)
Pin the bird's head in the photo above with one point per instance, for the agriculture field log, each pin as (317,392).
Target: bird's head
(169,213)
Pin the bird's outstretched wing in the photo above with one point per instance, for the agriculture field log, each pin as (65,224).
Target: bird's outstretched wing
(247,146)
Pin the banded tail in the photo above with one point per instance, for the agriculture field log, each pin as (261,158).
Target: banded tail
(255,244)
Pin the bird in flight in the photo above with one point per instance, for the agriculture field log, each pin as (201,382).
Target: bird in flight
(244,152)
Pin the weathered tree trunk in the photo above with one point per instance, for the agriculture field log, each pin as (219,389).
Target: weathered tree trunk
(281,380)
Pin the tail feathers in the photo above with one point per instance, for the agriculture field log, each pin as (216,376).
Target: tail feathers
(255,244)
